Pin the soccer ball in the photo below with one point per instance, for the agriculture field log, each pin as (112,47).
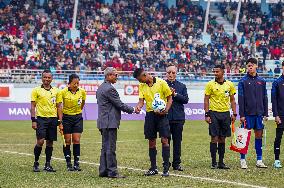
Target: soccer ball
(158,104)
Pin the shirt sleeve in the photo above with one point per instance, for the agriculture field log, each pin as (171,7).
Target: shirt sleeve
(84,95)
(265,101)
(34,95)
(141,95)
(59,98)
(233,90)
(166,89)
(208,90)
(183,96)
(241,99)
(274,98)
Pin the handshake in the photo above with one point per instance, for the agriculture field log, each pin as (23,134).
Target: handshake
(137,110)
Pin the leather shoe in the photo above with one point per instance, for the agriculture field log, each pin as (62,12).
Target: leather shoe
(214,166)
(223,166)
(178,168)
(103,175)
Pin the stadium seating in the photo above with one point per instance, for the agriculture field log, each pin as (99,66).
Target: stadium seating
(128,35)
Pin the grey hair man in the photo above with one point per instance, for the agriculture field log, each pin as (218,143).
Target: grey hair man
(176,114)
(109,115)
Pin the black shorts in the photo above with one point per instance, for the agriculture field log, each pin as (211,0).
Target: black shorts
(281,125)
(154,124)
(220,124)
(72,123)
(47,128)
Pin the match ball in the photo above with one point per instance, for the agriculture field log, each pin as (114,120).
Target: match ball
(158,104)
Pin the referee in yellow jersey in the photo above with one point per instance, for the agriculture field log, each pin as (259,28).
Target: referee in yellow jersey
(219,96)
(155,122)
(45,102)
(73,99)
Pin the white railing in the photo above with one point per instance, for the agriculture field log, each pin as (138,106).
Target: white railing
(34,76)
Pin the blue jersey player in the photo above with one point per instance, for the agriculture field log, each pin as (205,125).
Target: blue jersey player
(253,107)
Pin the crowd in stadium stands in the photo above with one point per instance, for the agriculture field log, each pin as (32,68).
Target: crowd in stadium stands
(129,34)
(266,30)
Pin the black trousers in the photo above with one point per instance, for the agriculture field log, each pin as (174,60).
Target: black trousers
(108,163)
(176,136)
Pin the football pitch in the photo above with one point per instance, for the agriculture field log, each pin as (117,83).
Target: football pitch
(16,159)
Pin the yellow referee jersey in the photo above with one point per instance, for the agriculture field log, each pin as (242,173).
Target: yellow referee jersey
(219,100)
(147,93)
(46,101)
(72,102)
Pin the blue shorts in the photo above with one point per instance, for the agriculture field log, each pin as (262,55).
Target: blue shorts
(254,122)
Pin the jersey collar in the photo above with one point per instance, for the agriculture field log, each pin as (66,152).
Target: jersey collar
(221,83)
(71,91)
(45,88)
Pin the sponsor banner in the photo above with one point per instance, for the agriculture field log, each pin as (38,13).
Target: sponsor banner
(6,92)
(90,89)
(15,111)
(21,111)
(131,90)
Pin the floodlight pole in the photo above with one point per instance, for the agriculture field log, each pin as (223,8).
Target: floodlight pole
(206,16)
(75,15)
(237,16)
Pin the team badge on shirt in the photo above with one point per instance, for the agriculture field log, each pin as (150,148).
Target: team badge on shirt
(80,101)
(227,93)
(53,100)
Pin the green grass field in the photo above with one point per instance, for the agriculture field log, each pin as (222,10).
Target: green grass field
(17,141)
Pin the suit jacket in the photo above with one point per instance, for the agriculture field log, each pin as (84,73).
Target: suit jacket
(176,112)
(110,106)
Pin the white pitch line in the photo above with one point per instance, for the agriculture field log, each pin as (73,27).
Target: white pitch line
(141,170)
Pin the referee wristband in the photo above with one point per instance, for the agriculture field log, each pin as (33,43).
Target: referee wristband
(33,119)
(207,114)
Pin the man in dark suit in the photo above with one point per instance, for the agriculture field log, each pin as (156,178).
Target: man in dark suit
(176,113)
(109,115)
